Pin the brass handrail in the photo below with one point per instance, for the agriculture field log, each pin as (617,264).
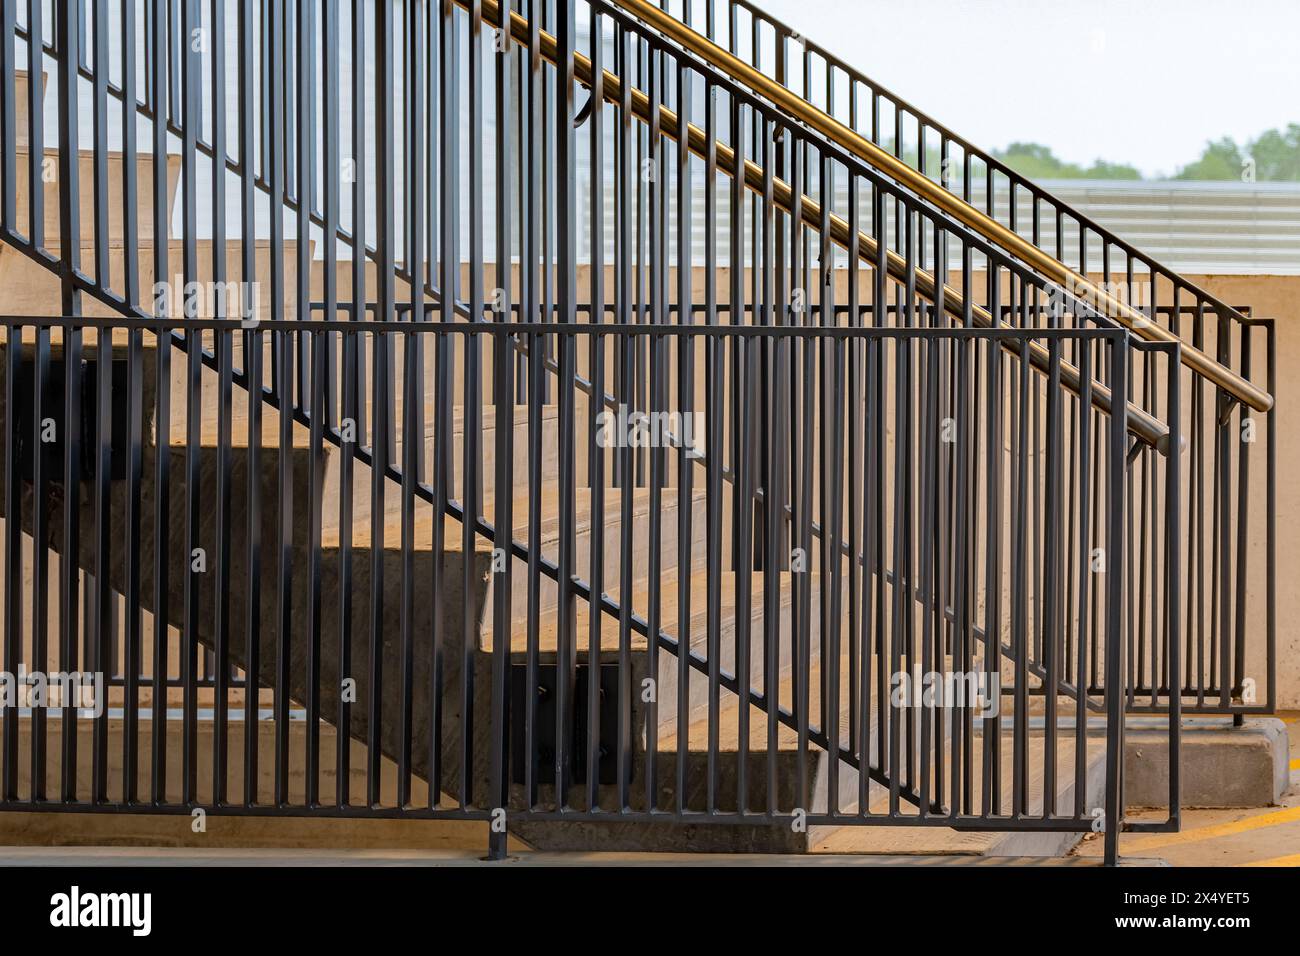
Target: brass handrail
(1144,426)
(895,168)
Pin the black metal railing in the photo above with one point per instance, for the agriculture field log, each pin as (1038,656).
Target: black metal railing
(459,178)
(1230,651)
(470,680)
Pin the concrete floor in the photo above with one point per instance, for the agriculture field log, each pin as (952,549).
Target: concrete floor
(1265,836)
(154,856)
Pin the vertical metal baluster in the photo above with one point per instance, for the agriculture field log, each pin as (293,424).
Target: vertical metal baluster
(1020,623)
(1221,529)
(1116,519)
(353,397)
(872,412)
(962,745)
(772,471)
(566,299)
(876,541)
(1196,517)
(413,385)
(283,348)
(1243,499)
(8,125)
(530,312)
(13,584)
(505,362)
(795,395)
(503,347)
(927,579)
(223,346)
(253,356)
(1173,572)
(331,41)
(353,355)
(472,416)
(100,659)
(536,384)
(1085,584)
(901,609)
(191,83)
(833,520)
(412,451)
(596,405)
(686,406)
(898,603)
(748,355)
(947,531)
(331,171)
(625,172)
(40,555)
(36,195)
(992,782)
(1052,580)
(383,397)
(741,502)
(70,243)
(547,124)
(715,389)
(657,374)
(316,496)
(831,699)
(908,316)
(311,391)
(853,475)
(444,365)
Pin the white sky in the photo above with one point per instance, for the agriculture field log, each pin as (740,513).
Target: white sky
(1146,82)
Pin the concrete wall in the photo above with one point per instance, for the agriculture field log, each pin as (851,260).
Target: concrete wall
(1277,297)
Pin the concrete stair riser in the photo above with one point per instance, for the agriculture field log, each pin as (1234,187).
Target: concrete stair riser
(37,291)
(206,741)
(22,100)
(89,202)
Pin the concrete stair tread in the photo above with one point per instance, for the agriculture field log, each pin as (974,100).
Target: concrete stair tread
(209,426)
(487,445)
(669,598)
(548,519)
(239,414)
(787,739)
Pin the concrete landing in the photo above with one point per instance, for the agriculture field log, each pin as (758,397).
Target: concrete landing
(1222,766)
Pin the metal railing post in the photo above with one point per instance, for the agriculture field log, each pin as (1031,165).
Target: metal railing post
(1116,614)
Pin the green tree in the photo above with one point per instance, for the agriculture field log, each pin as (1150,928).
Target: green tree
(1035,161)
(1220,160)
(1277,155)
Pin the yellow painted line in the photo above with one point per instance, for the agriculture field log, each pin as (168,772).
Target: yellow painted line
(1295,764)
(1292,860)
(1214,831)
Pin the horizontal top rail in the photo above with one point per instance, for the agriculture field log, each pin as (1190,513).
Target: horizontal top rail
(577,329)
(1144,426)
(951,204)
